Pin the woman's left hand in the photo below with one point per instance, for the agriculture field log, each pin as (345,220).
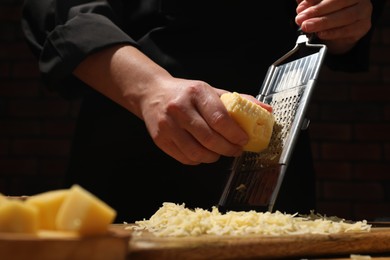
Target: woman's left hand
(340,24)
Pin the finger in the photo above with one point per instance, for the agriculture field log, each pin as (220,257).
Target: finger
(322,9)
(206,136)
(352,31)
(213,140)
(304,4)
(256,101)
(182,146)
(192,150)
(227,133)
(328,6)
(172,150)
(202,141)
(348,17)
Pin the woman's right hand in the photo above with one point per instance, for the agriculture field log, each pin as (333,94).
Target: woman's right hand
(185,118)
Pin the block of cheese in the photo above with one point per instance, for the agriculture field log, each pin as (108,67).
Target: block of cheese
(18,217)
(256,121)
(48,203)
(2,198)
(83,212)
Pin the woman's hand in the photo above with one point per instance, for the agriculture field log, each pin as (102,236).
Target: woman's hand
(188,121)
(340,24)
(185,118)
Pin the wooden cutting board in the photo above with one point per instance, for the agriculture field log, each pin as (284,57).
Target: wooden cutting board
(55,246)
(121,244)
(147,246)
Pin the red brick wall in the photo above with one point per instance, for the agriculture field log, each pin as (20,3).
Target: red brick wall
(350,125)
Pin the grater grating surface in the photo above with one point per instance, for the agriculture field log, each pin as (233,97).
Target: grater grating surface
(255,178)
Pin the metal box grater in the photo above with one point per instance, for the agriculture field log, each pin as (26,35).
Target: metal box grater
(255,178)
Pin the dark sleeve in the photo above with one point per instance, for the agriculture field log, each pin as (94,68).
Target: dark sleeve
(357,59)
(61,33)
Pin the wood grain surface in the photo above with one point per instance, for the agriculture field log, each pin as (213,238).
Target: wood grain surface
(122,245)
(57,246)
(147,246)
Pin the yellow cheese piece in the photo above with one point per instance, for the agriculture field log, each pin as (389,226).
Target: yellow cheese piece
(2,198)
(256,121)
(48,204)
(84,213)
(18,217)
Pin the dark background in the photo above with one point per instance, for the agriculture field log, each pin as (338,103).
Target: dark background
(350,127)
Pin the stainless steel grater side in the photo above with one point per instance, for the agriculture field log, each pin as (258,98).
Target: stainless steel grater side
(255,178)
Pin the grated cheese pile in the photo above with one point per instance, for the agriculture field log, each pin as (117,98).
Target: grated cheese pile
(177,221)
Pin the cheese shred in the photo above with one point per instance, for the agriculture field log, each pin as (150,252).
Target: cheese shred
(174,220)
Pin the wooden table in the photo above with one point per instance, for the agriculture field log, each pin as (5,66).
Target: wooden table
(121,244)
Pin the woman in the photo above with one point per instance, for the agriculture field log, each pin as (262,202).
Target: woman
(150,73)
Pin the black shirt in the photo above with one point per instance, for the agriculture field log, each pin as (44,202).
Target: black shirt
(229,44)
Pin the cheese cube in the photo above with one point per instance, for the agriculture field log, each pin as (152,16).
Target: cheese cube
(2,198)
(48,203)
(256,121)
(84,213)
(18,217)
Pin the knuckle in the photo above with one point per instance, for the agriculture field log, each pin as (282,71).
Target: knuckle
(218,119)
(209,140)
(162,124)
(176,109)
(196,87)
(195,155)
(173,106)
